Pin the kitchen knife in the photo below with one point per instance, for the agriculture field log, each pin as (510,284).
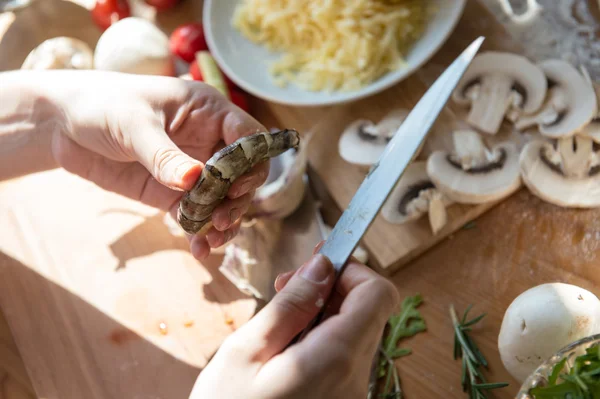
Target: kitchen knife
(386,172)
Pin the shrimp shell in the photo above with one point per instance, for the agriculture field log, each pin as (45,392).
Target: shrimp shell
(222,169)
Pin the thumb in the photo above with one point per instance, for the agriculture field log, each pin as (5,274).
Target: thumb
(164,160)
(293,307)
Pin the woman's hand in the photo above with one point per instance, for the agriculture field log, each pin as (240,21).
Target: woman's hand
(332,361)
(147,137)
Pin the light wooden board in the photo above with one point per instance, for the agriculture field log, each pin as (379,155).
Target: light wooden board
(392,246)
(86,279)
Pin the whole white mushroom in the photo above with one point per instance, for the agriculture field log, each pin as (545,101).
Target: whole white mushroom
(543,320)
(60,53)
(134,45)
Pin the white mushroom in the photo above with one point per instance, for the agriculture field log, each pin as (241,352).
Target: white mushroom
(497,85)
(285,187)
(415,195)
(363,142)
(134,45)
(592,129)
(571,102)
(564,173)
(60,53)
(474,174)
(543,320)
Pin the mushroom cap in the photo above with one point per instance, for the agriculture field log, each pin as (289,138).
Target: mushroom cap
(355,148)
(543,320)
(592,130)
(412,182)
(134,45)
(478,185)
(60,53)
(529,77)
(580,99)
(554,187)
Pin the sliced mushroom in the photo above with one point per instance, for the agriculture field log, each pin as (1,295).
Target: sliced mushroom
(363,142)
(285,187)
(592,129)
(60,53)
(415,195)
(498,85)
(571,102)
(474,174)
(564,173)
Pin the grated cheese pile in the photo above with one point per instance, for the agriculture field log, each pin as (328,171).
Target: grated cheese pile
(330,45)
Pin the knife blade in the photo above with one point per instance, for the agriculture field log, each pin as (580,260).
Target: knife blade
(385,173)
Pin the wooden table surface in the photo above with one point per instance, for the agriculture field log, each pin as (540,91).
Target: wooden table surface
(520,243)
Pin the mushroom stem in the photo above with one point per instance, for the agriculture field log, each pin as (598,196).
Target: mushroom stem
(469,148)
(438,217)
(576,155)
(493,100)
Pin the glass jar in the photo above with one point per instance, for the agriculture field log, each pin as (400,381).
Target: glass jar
(539,378)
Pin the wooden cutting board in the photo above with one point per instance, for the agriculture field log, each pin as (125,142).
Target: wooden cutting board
(96,288)
(392,246)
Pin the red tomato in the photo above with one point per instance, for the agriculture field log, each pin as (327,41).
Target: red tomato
(239,99)
(162,5)
(232,86)
(107,12)
(187,40)
(195,71)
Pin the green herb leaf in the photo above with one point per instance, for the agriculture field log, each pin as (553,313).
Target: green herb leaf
(556,371)
(580,381)
(406,323)
(399,352)
(472,379)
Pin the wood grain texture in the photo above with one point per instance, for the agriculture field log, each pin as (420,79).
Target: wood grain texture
(519,244)
(392,246)
(14,381)
(87,279)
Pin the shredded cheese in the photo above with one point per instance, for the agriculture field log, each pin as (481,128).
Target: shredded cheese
(330,45)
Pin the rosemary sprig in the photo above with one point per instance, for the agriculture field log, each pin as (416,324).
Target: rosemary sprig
(406,323)
(465,348)
(580,381)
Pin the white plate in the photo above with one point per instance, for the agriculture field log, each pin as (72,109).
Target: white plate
(247,63)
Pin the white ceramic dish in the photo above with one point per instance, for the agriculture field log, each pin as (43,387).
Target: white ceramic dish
(247,63)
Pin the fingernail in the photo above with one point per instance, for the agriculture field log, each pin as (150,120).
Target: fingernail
(186,172)
(318,247)
(317,270)
(234,214)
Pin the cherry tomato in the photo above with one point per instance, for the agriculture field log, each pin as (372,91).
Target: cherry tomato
(187,40)
(195,71)
(162,5)
(107,12)
(232,86)
(239,99)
